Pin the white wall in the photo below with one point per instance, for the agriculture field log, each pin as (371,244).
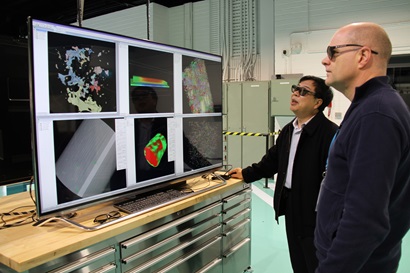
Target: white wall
(320,18)
(281,23)
(311,45)
(301,27)
(129,22)
(308,25)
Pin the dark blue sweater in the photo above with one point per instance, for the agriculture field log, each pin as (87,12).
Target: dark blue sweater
(364,208)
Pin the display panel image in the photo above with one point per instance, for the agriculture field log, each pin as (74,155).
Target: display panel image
(82,74)
(151,148)
(202,142)
(154,69)
(135,141)
(85,154)
(202,85)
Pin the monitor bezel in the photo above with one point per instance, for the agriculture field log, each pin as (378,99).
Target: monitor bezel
(178,114)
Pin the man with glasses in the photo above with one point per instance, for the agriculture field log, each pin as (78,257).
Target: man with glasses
(298,158)
(363,207)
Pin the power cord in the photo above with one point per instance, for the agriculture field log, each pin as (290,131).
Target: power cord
(30,215)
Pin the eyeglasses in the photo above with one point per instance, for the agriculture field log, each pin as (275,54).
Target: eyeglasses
(331,50)
(102,218)
(302,91)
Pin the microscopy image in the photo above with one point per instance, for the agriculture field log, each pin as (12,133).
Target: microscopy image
(82,74)
(202,85)
(196,87)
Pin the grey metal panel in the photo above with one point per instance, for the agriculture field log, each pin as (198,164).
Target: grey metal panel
(109,268)
(255,119)
(236,218)
(151,248)
(255,106)
(233,199)
(195,259)
(196,218)
(234,123)
(236,211)
(236,234)
(237,258)
(236,231)
(280,97)
(91,258)
(214,266)
(93,261)
(162,258)
(225,123)
(167,219)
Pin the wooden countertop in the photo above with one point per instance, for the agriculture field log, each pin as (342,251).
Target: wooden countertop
(25,247)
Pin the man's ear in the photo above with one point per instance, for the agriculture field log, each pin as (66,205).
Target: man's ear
(318,103)
(365,56)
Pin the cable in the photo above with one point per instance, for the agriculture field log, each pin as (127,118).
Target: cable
(30,214)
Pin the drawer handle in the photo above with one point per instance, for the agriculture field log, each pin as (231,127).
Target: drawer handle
(239,225)
(106,268)
(165,227)
(229,199)
(239,214)
(84,261)
(236,247)
(191,254)
(200,236)
(246,201)
(165,241)
(209,266)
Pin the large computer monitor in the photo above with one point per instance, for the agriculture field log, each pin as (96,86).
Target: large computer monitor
(114,115)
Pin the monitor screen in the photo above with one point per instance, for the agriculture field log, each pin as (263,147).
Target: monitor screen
(202,144)
(153,69)
(202,83)
(114,116)
(82,74)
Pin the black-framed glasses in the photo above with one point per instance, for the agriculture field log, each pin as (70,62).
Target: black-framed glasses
(102,218)
(302,91)
(331,50)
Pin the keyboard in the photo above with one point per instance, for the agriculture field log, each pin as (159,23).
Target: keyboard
(151,201)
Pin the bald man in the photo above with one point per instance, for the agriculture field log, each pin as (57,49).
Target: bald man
(363,209)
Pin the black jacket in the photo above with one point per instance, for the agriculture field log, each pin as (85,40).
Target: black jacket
(308,167)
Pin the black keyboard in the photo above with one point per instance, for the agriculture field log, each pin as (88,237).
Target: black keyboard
(151,201)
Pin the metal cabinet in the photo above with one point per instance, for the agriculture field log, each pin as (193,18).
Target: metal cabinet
(236,232)
(213,239)
(280,97)
(250,107)
(247,111)
(184,245)
(212,236)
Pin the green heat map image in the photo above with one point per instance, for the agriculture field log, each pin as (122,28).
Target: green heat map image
(82,75)
(155,149)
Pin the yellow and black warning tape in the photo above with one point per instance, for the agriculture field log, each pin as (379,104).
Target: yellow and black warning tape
(250,134)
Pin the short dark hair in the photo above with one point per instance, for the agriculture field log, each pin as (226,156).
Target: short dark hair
(322,91)
(143,90)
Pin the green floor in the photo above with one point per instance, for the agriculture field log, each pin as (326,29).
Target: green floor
(269,247)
